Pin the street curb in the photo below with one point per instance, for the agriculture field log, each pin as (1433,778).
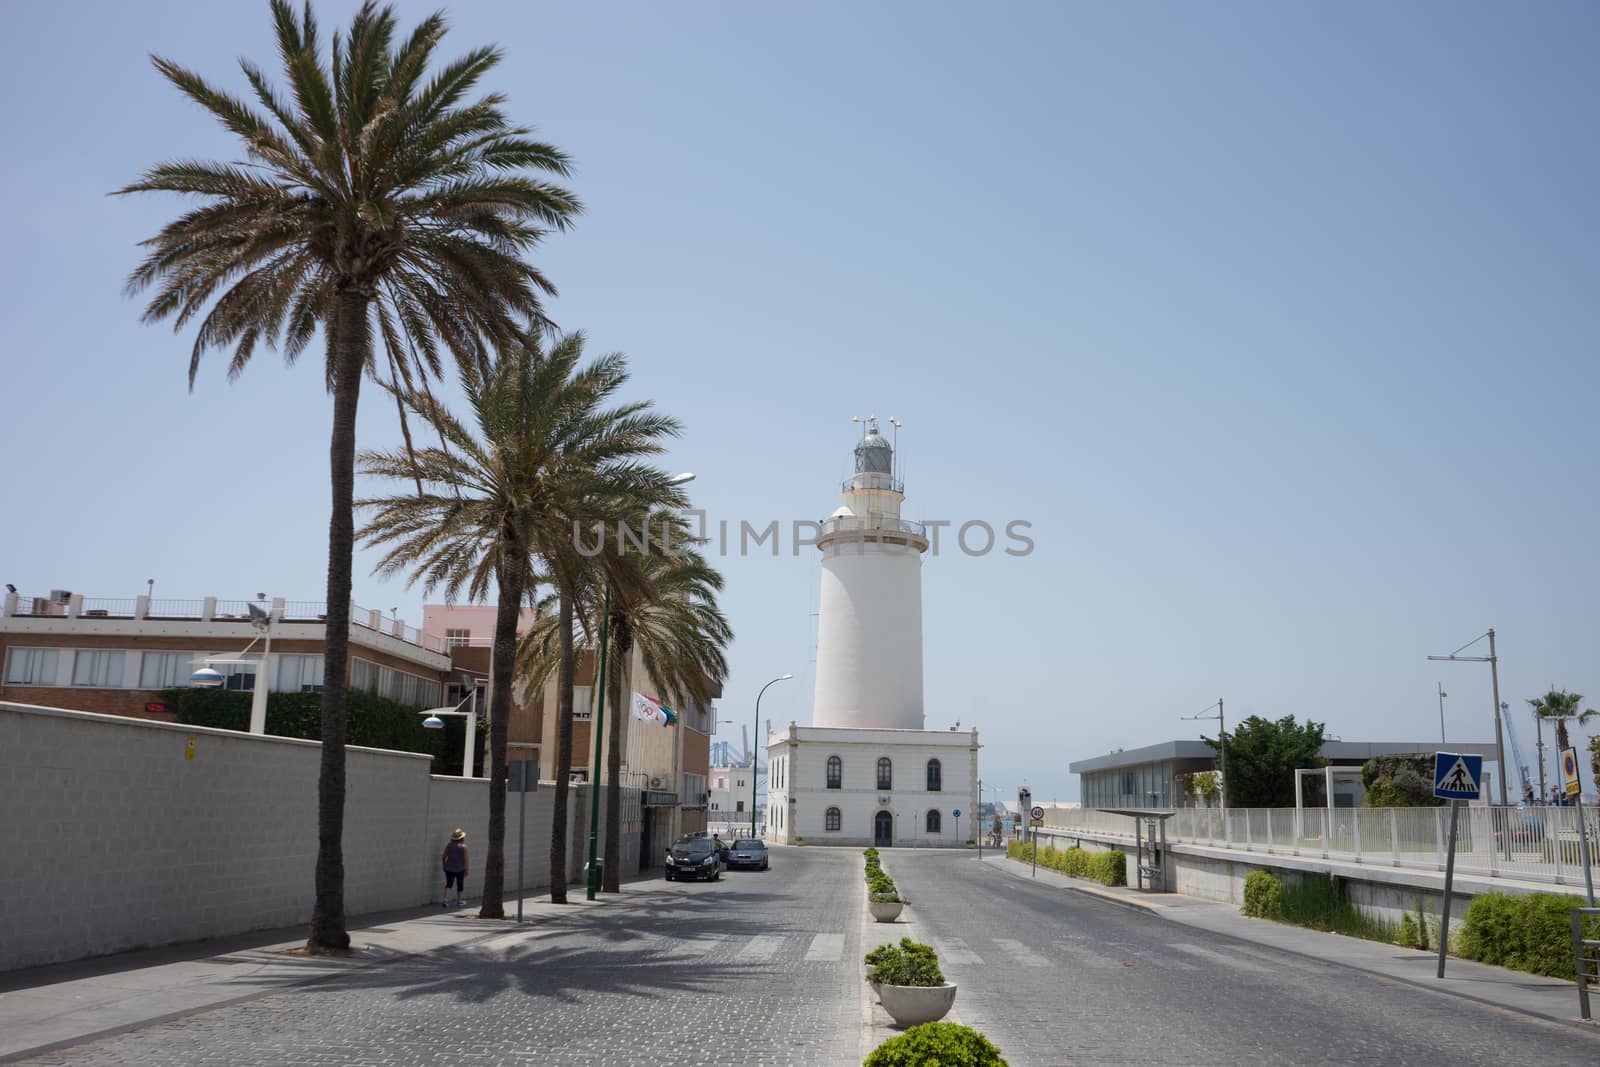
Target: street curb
(1161,912)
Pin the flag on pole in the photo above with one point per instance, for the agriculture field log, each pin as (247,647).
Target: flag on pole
(652,710)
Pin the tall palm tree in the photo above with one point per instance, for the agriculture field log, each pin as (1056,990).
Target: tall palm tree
(681,635)
(371,196)
(543,451)
(1560,705)
(662,600)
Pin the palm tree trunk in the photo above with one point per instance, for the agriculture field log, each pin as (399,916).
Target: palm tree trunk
(509,570)
(558,803)
(612,882)
(351,342)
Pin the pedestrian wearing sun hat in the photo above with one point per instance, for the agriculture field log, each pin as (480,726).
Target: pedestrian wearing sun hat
(455,867)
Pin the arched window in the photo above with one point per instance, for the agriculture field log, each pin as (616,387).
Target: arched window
(933,819)
(885,773)
(835,774)
(934,776)
(831,820)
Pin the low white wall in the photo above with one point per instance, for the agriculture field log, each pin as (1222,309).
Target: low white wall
(118,839)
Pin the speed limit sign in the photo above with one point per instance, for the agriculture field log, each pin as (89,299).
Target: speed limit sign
(1036,813)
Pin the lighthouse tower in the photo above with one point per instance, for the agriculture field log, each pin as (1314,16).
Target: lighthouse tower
(869,631)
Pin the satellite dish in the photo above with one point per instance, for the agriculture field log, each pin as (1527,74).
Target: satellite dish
(206,678)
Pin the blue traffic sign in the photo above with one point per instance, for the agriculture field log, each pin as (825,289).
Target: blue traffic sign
(956,814)
(1457,776)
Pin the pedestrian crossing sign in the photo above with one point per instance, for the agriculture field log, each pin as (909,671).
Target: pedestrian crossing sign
(1456,777)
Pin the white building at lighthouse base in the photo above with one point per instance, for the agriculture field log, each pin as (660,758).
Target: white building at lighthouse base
(926,795)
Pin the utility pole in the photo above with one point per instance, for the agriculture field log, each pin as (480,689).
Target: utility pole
(1493,660)
(1222,745)
(1538,729)
(1442,695)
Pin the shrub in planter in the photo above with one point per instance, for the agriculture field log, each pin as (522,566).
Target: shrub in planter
(1263,896)
(888,896)
(908,963)
(941,1044)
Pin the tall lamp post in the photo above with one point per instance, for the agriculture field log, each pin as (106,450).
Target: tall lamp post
(755,759)
(435,721)
(1222,747)
(598,734)
(1442,695)
(208,677)
(1494,675)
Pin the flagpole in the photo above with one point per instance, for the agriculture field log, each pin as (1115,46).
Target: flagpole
(597,734)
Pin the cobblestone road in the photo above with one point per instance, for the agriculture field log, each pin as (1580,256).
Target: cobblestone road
(759,968)
(1055,977)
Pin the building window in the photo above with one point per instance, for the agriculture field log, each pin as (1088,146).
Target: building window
(103,670)
(934,776)
(933,821)
(299,674)
(163,670)
(32,666)
(830,821)
(835,775)
(457,638)
(581,702)
(738,805)
(885,773)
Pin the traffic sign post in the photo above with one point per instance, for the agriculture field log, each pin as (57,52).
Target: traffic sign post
(1574,788)
(1035,816)
(1456,778)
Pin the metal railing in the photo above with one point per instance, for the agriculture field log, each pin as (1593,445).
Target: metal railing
(1585,955)
(176,609)
(854,523)
(108,607)
(305,610)
(1539,844)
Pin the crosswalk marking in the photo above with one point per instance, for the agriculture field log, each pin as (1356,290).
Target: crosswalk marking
(1020,953)
(1084,957)
(826,948)
(956,951)
(1218,957)
(758,948)
(693,947)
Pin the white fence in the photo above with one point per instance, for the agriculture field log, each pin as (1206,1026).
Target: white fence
(1539,844)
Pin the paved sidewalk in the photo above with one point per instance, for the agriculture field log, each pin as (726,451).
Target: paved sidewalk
(1529,994)
(44,1008)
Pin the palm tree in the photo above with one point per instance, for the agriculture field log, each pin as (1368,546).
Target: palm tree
(662,600)
(681,635)
(1560,705)
(542,452)
(371,196)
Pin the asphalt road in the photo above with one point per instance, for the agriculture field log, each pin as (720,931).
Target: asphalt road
(1054,977)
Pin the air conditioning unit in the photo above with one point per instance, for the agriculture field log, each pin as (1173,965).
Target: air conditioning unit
(577,777)
(60,596)
(658,783)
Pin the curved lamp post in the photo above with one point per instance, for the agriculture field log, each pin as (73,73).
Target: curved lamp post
(598,733)
(208,678)
(435,721)
(755,758)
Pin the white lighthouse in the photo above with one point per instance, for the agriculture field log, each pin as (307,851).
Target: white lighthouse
(866,771)
(869,628)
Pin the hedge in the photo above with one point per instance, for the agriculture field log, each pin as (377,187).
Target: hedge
(1530,933)
(937,1045)
(1263,896)
(1107,868)
(374,721)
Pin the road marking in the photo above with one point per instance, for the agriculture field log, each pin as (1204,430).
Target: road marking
(1084,956)
(694,947)
(758,948)
(1020,953)
(956,951)
(826,948)
(1218,957)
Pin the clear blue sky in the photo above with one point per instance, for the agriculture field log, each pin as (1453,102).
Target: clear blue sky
(1278,322)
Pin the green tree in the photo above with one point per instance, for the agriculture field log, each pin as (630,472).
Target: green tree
(1560,705)
(544,452)
(1263,755)
(372,196)
(1399,781)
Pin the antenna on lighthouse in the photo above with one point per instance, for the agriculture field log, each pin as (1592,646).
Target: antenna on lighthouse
(896,423)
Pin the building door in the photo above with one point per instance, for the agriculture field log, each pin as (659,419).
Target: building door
(883,830)
(646,860)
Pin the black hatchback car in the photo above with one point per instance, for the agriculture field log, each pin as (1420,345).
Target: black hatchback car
(693,858)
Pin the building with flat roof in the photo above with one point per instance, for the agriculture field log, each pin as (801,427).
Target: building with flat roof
(1150,777)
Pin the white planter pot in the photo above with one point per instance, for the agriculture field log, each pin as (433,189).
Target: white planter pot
(885,913)
(910,1005)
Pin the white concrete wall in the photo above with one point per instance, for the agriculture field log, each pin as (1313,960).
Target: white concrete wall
(119,841)
(869,638)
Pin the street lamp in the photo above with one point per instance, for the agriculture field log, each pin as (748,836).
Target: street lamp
(1494,675)
(1442,695)
(755,759)
(435,721)
(1222,746)
(598,735)
(209,678)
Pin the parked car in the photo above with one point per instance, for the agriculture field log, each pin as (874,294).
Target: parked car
(692,858)
(748,852)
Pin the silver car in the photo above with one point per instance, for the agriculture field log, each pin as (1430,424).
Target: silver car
(748,852)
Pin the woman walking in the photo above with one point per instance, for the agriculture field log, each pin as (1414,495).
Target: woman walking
(455,867)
